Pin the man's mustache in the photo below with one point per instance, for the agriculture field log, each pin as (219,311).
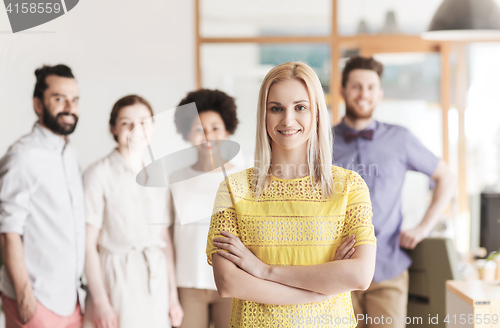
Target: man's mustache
(61,114)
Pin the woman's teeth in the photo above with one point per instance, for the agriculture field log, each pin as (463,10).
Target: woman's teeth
(288,132)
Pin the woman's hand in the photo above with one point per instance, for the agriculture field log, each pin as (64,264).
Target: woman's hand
(240,255)
(176,313)
(345,251)
(104,316)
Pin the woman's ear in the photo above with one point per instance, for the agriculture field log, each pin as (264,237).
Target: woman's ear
(112,129)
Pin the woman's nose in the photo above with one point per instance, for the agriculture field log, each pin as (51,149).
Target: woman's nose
(137,127)
(288,117)
(209,135)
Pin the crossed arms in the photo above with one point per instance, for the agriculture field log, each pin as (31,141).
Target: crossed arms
(240,274)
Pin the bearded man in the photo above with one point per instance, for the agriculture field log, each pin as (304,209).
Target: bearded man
(42,225)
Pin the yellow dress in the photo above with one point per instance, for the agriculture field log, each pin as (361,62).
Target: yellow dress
(291,224)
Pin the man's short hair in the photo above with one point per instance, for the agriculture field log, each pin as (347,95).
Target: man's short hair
(45,71)
(359,62)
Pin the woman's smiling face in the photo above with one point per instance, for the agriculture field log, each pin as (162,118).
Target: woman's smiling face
(127,127)
(206,132)
(288,114)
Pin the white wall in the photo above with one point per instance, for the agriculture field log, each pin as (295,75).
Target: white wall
(115,47)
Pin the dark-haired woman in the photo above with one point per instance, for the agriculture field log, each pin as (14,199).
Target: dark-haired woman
(213,122)
(129,261)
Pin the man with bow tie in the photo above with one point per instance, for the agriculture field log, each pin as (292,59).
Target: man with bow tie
(382,153)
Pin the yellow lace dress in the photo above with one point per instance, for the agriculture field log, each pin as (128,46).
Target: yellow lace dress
(291,224)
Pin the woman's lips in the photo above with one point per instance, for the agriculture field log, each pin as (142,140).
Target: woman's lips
(289,133)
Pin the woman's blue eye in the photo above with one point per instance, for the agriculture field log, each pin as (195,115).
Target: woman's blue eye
(300,107)
(275,109)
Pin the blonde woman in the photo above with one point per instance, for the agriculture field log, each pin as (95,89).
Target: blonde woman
(129,255)
(292,237)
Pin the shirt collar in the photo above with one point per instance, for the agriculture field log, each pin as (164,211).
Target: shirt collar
(49,138)
(118,161)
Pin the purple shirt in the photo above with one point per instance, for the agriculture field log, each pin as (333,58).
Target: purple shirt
(383,162)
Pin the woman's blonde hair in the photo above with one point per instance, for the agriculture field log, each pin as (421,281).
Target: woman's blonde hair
(319,145)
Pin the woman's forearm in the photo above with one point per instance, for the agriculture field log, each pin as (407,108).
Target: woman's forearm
(169,253)
(93,268)
(329,278)
(232,282)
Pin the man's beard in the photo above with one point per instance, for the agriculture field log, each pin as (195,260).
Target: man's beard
(351,113)
(52,123)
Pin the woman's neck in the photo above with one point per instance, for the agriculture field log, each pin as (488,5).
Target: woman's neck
(133,159)
(289,163)
(205,163)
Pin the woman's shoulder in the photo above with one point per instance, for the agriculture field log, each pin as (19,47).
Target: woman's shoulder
(339,173)
(99,167)
(347,177)
(182,174)
(243,175)
(238,182)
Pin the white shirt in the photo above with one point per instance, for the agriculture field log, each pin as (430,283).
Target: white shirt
(194,194)
(41,199)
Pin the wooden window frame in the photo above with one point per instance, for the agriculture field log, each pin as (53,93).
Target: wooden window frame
(369,45)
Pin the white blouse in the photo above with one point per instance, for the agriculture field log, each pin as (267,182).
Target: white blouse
(130,216)
(131,219)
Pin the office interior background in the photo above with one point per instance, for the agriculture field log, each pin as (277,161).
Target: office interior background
(443,91)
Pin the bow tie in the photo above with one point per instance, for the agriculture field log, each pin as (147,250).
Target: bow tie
(353,135)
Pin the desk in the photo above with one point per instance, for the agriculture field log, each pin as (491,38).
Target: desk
(474,303)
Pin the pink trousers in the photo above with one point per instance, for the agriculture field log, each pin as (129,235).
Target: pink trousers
(42,318)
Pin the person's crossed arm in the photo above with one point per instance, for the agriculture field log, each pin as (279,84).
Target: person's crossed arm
(240,274)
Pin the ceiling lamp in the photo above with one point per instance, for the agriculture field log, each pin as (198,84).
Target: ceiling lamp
(465,20)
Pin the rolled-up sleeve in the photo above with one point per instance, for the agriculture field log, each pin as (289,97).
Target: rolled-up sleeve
(418,157)
(15,191)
